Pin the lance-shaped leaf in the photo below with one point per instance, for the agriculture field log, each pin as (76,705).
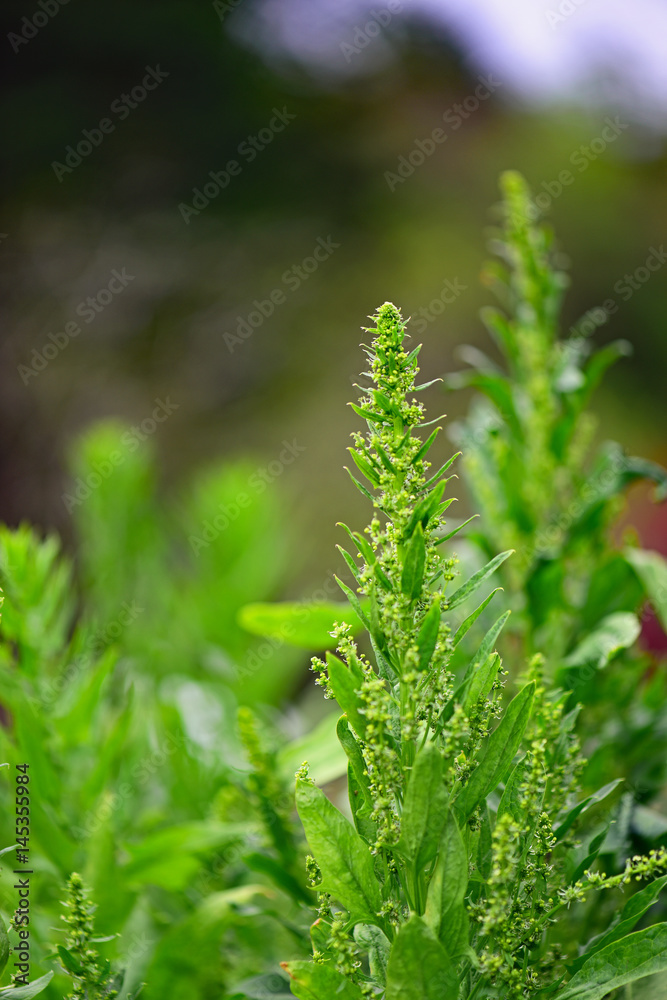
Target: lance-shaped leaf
(428,634)
(309,981)
(426,508)
(26,992)
(583,806)
(365,467)
(634,909)
(633,957)
(481,682)
(412,577)
(419,967)
(355,602)
(480,673)
(477,579)
(345,684)
(441,471)
(424,809)
(358,785)
(498,754)
(344,859)
(445,910)
(468,622)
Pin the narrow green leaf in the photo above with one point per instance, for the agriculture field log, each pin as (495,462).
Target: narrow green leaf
(487,644)
(498,754)
(428,634)
(309,981)
(364,467)
(477,579)
(424,809)
(386,403)
(634,910)
(69,961)
(351,565)
(583,806)
(455,531)
(363,545)
(360,486)
(509,800)
(427,385)
(425,509)
(445,911)
(345,685)
(26,992)
(355,602)
(412,577)
(426,445)
(344,859)
(441,471)
(419,967)
(633,957)
(358,790)
(374,418)
(468,622)
(587,863)
(481,682)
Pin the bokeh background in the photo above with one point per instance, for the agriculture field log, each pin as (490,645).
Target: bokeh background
(359,90)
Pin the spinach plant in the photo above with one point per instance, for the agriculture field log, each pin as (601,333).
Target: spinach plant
(460,864)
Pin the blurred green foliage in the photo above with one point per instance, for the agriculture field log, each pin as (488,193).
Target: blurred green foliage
(124,704)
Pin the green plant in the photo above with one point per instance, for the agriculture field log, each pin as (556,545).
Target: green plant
(92,978)
(122,699)
(544,488)
(457,876)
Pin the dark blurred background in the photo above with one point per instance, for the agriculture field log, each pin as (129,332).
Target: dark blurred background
(374,133)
